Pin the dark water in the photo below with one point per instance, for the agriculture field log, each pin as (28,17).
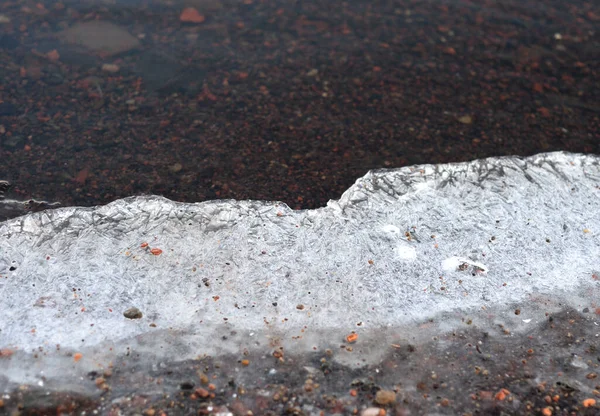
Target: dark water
(283,100)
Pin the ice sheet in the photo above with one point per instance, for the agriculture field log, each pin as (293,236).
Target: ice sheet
(416,247)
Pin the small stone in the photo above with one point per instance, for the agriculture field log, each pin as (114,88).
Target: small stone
(176,167)
(385,397)
(133,313)
(372,411)
(186,385)
(450,50)
(465,119)
(191,15)
(300,307)
(112,68)
(313,72)
(53,55)
(202,392)
(100,36)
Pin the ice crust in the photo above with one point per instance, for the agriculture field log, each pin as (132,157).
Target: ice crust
(399,248)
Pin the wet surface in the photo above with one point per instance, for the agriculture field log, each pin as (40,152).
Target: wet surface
(473,370)
(281,100)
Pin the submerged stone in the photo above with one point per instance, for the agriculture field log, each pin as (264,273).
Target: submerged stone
(100,37)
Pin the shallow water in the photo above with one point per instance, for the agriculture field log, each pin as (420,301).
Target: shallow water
(282,100)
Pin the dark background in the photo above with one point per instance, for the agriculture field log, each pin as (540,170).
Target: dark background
(283,100)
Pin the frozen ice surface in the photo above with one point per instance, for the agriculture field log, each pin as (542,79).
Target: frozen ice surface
(427,247)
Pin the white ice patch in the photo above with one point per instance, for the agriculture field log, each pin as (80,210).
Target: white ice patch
(457,263)
(391,229)
(405,252)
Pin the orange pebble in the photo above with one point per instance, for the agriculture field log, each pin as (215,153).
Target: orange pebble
(78,356)
(6,352)
(156,251)
(191,15)
(353,337)
(589,402)
(501,395)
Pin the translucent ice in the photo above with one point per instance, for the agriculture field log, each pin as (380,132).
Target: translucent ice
(399,248)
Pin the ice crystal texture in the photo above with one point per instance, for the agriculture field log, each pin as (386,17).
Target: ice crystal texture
(399,248)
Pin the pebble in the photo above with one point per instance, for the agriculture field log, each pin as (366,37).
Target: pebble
(112,68)
(372,411)
(385,397)
(465,119)
(53,55)
(133,313)
(191,15)
(100,36)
